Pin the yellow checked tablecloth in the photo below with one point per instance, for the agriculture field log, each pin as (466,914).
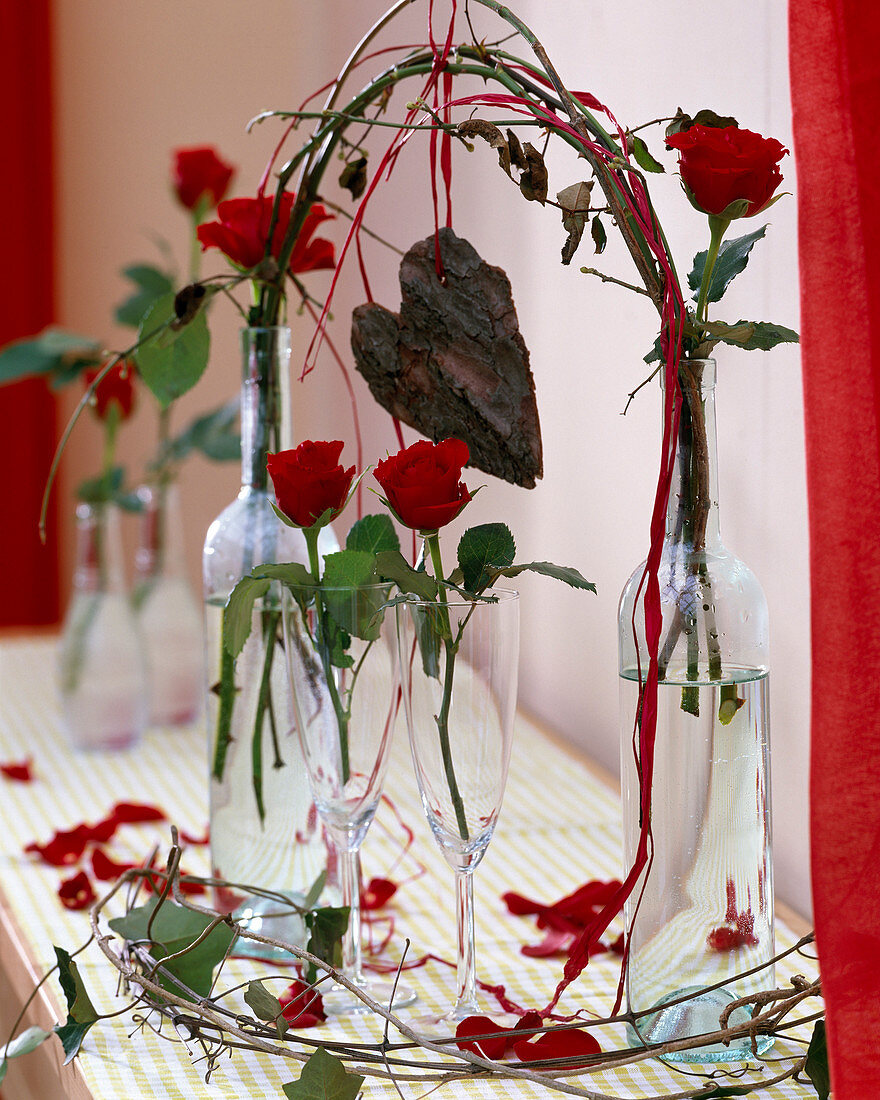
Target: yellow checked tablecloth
(559,827)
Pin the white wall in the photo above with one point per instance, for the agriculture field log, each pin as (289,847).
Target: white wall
(138,79)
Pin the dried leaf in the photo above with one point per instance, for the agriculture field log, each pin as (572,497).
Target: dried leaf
(354,177)
(575,203)
(478,127)
(534,181)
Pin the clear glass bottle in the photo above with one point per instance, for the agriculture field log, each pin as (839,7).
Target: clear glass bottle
(704,913)
(264,826)
(169,615)
(101,669)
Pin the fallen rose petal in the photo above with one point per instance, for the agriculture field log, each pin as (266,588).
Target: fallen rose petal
(619,945)
(556,942)
(187,838)
(729,939)
(571,1043)
(493,1049)
(106,869)
(377,892)
(65,847)
(302,1006)
(77,892)
(21,772)
(528,1021)
(134,813)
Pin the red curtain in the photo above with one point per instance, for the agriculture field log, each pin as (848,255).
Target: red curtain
(835,80)
(27,409)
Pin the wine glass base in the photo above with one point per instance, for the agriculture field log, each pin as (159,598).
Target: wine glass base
(340,1001)
(439,1028)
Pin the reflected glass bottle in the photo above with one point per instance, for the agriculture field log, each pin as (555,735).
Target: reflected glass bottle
(168,613)
(102,674)
(264,826)
(704,914)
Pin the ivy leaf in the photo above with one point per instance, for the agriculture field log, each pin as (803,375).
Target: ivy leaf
(643,156)
(575,203)
(326,928)
(732,259)
(212,434)
(816,1067)
(482,551)
(176,929)
(751,335)
(150,284)
(324,1077)
(725,1090)
(172,359)
(81,1013)
(392,566)
(54,351)
(565,573)
(265,1006)
(315,891)
(22,1044)
(373,533)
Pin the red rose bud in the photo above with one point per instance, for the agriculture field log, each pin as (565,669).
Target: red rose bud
(200,177)
(422,483)
(243,231)
(309,480)
(116,387)
(722,165)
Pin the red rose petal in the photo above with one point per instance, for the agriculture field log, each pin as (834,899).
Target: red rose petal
(106,869)
(729,939)
(493,1049)
(377,893)
(65,847)
(134,813)
(570,1043)
(77,892)
(302,1005)
(21,772)
(555,942)
(188,838)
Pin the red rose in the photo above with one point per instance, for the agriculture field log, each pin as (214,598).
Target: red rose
(720,165)
(243,229)
(422,483)
(116,387)
(200,177)
(309,480)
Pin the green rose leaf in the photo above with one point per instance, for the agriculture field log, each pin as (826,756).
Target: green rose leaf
(171,358)
(324,1077)
(643,156)
(482,551)
(213,435)
(265,1006)
(54,351)
(565,573)
(751,335)
(372,534)
(176,929)
(356,614)
(349,568)
(150,284)
(98,490)
(81,1013)
(326,928)
(816,1067)
(392,566)
(239,611)
(732,259)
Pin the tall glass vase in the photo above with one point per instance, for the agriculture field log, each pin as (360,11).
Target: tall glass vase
(168,614)
(703,913)
(101,670)
(264,827)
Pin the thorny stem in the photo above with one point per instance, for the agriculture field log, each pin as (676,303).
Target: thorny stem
(432,538)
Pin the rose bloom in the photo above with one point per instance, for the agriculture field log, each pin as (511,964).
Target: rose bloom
(200,176)
(309,480)
(422,483)
(243,229)
(719,165)
(116,387)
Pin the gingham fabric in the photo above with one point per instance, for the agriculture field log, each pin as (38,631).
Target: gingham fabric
(558,828)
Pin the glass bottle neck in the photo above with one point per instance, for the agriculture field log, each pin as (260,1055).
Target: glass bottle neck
(692,512)
(98,550)
(265,401)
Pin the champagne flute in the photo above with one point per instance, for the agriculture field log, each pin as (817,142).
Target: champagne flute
(459,661)
(344,676)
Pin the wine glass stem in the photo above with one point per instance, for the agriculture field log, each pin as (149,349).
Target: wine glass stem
(467,977)
(350,867)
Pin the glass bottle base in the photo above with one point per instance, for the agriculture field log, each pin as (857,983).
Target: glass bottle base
(267,917)
(340,1001)
(697,1016)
